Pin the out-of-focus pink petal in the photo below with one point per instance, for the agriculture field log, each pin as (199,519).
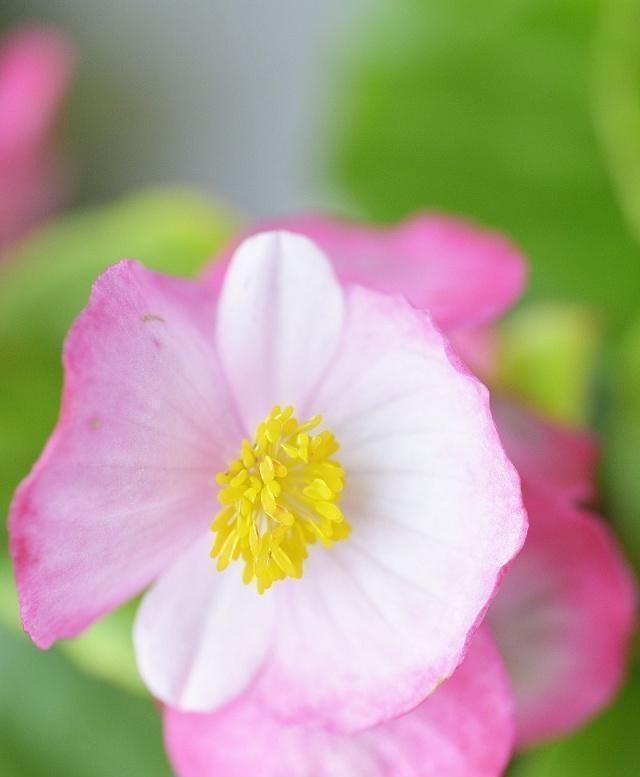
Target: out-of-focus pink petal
(378,621)
(563,618)
(463,275)
(558,458)
(201,635)
(479,349)
(464,729)
(36,65)
(126,480)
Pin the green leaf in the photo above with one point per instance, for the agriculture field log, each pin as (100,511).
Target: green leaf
(621,426)
(618,99)
(486,110)
(104,650)
(57,722)
(608,747)
(548,353)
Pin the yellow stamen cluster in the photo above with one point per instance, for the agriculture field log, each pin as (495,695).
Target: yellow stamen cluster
(279,496)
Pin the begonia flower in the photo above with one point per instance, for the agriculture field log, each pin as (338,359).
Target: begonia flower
(367,507)
(35,71)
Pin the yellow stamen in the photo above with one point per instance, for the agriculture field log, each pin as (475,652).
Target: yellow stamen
(279,496)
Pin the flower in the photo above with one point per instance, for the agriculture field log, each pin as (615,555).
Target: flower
(35,70)
(562,618)
(397,510)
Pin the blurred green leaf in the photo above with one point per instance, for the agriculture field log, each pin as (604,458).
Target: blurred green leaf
(618,99)
(57,722)
(486,109)
(608,747)
(548,353)
(621,426)
(104,650)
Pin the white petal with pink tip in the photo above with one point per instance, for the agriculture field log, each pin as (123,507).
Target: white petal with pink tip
(201,635)
(280,318)
(465,729)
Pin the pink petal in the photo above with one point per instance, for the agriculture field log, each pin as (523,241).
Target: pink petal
(480,349)
(464,729)
(35,70)
(461,274)
(280,317)
(559,458)
(126,480)
(378,621)
(201,635)
(563,618)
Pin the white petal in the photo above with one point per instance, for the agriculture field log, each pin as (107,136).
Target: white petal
(280,317)
(201,635)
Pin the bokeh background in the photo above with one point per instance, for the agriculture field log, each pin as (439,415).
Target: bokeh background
(234,96)
(523,115)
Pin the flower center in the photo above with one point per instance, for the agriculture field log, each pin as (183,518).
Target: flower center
(279,496)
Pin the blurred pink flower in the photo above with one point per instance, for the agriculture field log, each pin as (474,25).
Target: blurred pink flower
(164,378)
(35,70)
(564,614)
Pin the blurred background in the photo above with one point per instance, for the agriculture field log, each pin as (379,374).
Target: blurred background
(184,120)
(233,96)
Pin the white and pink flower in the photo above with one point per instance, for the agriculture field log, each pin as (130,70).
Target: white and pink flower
(419,510)
(165,378)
